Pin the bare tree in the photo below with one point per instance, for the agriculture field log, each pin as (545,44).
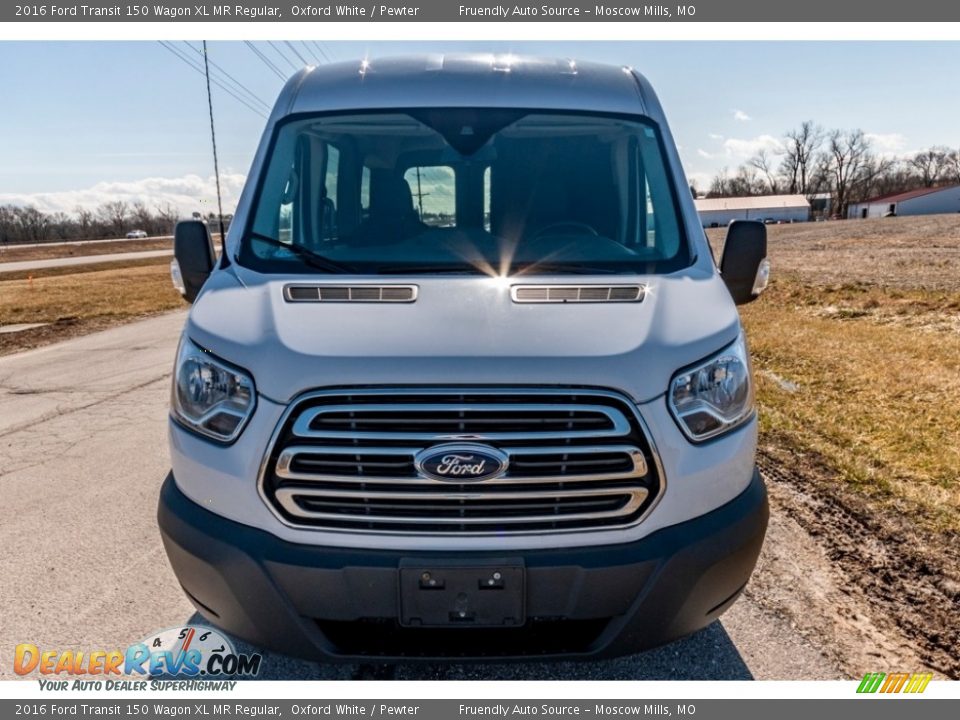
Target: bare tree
(801,146)
(719,184)
(6,223)
(142,217)
(746,182)
(852,167)
(167,216)
(953,166)
(61,225)
(931,165)
(896,177)
(84,222)
(115,215)
(33,225)
(764,164)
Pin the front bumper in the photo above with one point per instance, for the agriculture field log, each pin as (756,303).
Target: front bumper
(337,604)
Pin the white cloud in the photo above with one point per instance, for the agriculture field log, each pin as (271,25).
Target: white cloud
(741,116)
(703,153)
(715,136)
(887,143)
(743,148)
(188,193)
(701,180)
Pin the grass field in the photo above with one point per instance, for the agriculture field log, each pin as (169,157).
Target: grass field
(856,348)
(82,299)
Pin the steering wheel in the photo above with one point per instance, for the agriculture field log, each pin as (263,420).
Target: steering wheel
(566,227)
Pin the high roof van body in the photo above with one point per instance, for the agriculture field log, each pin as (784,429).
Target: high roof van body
(466,380)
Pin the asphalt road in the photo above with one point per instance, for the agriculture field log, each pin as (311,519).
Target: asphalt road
(82,456)
(21,265)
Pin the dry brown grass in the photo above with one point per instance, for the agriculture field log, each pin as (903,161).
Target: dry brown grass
(856,347)
(840,375)
(18,253)
(899,253)
(81,302)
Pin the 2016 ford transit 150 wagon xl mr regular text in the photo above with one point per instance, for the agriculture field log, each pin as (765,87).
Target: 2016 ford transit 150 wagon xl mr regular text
(465,380)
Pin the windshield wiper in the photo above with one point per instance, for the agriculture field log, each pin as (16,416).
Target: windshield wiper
(321,262)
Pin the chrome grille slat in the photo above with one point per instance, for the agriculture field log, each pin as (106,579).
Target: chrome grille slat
(290,454)
(349,461)
(287,498)
(304,426)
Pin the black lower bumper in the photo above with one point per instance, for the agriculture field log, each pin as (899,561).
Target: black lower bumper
(337,604)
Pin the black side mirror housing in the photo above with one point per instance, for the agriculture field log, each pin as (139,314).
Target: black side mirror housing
(194,252)
(743,264)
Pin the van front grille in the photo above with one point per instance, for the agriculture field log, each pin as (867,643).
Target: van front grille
(575,460)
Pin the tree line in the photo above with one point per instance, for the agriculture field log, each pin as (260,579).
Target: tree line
(109,220)
(810,160)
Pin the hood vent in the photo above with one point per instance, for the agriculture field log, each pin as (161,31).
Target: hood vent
(350,293)
(577,293)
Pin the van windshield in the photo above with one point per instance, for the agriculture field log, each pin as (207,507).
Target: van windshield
(496,192)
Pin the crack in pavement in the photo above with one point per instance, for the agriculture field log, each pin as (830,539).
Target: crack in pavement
(78,408)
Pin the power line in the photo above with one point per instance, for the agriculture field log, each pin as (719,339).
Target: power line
(216,164)
(311,52)
(294,50)
(265,60)
(328,56)
(186,60)
(239,85)
(290,62)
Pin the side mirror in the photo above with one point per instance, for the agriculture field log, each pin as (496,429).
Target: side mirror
(194,255)
(744,265)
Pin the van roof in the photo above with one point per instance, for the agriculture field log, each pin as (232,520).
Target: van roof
(479,80)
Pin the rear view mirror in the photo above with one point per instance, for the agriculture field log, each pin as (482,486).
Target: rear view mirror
(194,255)
(744,265)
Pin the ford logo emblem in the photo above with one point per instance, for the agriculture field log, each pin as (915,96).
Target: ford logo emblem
(461,463)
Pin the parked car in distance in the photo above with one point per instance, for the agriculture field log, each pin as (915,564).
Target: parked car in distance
(137,235)
(466,381)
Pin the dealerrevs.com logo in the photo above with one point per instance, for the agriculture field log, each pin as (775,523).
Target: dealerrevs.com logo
(191,652)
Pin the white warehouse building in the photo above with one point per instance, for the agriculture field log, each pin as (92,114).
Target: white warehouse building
(926,201)
(717,212)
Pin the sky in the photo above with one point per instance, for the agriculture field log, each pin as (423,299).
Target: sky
(86,122)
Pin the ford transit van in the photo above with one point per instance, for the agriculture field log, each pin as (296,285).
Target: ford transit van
(465,380)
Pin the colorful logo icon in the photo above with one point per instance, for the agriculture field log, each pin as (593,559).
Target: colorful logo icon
(894,682)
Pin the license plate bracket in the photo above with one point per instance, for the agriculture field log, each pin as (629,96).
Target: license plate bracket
(454,593)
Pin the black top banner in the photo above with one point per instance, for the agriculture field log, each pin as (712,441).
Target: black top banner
(491,11)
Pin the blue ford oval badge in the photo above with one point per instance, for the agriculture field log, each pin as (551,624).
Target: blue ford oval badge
(461,463)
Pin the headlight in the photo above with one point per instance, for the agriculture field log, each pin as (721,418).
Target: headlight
(714,396)
(210,396)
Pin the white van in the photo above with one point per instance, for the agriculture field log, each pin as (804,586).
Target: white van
(466,380)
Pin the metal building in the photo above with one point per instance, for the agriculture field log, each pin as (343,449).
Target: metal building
(717,212)
(925,201)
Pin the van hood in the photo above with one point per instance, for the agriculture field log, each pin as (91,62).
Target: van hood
(462,331)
